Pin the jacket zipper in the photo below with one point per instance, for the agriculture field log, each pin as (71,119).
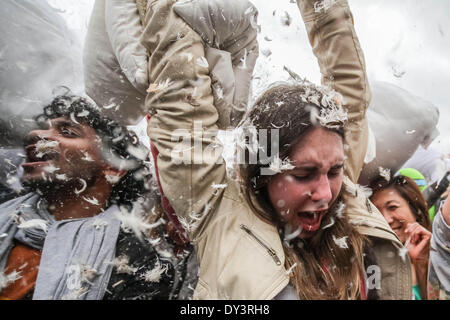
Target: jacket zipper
(269,250)
(368,205)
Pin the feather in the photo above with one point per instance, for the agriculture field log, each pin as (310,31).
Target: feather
(109,106)
(323,5)
(44,147)
(72,118)
(112,179)
(403,251)
(165,253)
(249,10)
(219,92)
(97,223)
(286,18)
(291,235)
(156,87)
(154,242)
(34,224)
(84,113)
(332,221)
(84,185)
(340,210)
(202,62)
(219,186)
(358,190)
(155,274)
(50,168)
(385,173)
(87,157)
(92,200)
(277,165)
(134,221)
(243,66)
(341,242)
(87,274)
(333,117)
(187,226)
(288,271)
(6,279)
(75,294)
(62,177)
(121,263)
(8,161)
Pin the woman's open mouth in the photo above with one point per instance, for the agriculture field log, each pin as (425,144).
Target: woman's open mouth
(311,220)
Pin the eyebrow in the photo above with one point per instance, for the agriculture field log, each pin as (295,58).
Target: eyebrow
(394,201)
(309,167)
(60,123)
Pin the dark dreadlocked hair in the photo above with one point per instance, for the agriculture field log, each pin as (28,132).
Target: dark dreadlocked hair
(121,147)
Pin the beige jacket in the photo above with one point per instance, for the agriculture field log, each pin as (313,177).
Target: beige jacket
(241,256)
(231,49)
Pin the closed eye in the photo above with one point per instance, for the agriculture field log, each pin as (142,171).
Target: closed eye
(65,131)
(302,177)
(336,170)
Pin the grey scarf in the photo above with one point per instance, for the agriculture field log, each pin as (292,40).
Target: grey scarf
(76,253)
(440,251)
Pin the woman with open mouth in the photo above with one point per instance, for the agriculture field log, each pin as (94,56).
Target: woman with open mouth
(401,203)
(291,223)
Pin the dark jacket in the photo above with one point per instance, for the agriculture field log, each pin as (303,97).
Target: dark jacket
(144,257)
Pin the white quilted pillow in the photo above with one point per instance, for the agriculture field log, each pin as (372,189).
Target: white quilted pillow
(400,122)
(124,29)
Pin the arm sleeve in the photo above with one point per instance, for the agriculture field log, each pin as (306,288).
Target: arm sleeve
(439,273)
(184,119)
(335,44)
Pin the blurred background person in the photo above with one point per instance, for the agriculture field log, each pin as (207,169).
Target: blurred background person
(401,203)
(80,230)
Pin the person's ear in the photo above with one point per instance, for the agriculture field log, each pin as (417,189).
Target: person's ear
(113,175)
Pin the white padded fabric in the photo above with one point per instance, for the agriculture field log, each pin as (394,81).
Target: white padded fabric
(38,53)
(400,122)
(230,32)
(115,65)
(124,29)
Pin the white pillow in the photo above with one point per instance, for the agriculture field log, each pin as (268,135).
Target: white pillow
(124,29)
(430,162)
(229,31)
(115,77)
(400,122)
(37,54)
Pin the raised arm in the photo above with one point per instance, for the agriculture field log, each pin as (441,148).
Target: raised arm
(181,104)
(341,60)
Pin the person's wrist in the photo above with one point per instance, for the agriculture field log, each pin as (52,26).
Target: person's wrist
(421,266)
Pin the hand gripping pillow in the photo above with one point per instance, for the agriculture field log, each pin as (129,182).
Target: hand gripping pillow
(230,32)
(399,122)
(115,62)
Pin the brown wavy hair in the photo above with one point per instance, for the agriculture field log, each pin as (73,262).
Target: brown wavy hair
(319,268)
(409,191)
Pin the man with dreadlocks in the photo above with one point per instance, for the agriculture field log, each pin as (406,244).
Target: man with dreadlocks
(69,237)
